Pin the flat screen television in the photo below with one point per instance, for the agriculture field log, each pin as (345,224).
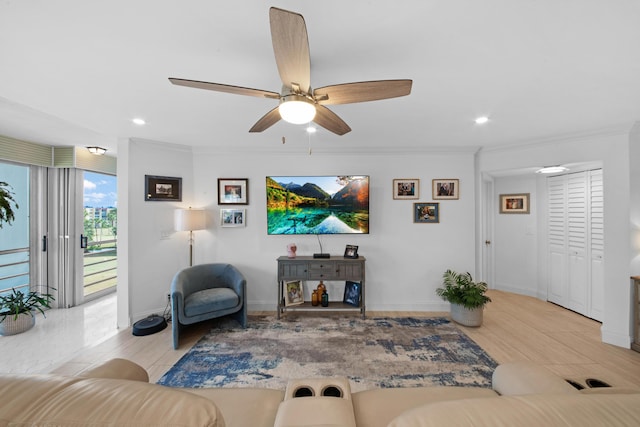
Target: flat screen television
(318,204)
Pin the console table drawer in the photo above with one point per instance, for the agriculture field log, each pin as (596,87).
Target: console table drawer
(293,270)
(349,271)
(325,270)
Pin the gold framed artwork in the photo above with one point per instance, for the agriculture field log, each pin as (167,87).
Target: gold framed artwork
(445,189)
(406,188)
(514,203)
(293,294)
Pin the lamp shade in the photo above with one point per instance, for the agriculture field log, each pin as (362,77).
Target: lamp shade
(189,219)
(297,109)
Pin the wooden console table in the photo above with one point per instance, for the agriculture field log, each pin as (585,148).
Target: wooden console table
(330,269)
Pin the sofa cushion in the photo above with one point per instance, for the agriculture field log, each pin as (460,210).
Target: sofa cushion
(548,410)
(377,407)
(517,378)
(59,401)
(255,407)
(210,300)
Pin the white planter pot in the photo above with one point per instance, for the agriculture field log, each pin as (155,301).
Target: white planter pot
(465,316)
(11,326)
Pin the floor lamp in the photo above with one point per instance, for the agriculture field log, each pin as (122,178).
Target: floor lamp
(189,220)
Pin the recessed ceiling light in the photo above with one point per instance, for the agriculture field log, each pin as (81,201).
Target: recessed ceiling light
(139,121)
(482,120)
(552,169)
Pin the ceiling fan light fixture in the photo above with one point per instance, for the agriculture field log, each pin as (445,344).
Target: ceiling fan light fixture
(296,109)
(552,169)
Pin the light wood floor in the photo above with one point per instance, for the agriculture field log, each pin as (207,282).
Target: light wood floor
(515,328)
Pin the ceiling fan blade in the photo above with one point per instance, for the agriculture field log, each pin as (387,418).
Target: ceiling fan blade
(268,120)
(349,93)
(330,121)
(291,48)
(236,90)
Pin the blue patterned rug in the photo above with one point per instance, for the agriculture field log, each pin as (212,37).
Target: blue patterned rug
(372,353)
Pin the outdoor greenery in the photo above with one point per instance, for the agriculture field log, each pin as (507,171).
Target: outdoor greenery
(18,302)
(459,288)
(6,199)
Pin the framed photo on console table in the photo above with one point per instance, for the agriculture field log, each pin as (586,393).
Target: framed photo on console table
(233,191)
(352,292)
(351,251)
(293,293)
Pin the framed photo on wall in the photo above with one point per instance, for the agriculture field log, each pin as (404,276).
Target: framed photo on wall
(233,191)
(426,213)
(233,217)
(445,189)
(293,294)
(514,203)
(406,188)
(162,188)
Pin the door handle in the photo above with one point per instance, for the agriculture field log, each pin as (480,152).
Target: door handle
(44,243)
(487,242)
(83,241)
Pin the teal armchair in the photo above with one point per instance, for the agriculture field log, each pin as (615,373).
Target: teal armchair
(207,291)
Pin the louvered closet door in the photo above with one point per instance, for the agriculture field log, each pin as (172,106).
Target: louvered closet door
(557,236)
(596,210)
(577,241)
(575,220)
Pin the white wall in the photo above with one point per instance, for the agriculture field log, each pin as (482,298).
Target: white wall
(515,239)
(634,182)
(405,261)
(612,152)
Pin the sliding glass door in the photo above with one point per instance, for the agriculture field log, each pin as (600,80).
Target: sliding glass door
(99,240)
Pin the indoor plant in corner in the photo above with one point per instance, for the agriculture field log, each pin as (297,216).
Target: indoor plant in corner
(17,310)
(467,297)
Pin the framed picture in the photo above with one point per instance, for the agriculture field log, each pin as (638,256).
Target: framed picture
(352,291)
(233,191)
(351,251)
(293,293)
(425,213)
(445,189)
(404,188)
(162,188)
(514,203)
(233,217)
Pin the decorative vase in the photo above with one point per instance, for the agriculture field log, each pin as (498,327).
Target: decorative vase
(325,299)
(466,317)
(22,323)
(314,298)
(291,250)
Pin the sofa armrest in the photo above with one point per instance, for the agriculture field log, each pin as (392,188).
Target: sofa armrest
(518,378)
(118,369)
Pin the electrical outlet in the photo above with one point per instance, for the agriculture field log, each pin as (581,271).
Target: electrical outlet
(169,297)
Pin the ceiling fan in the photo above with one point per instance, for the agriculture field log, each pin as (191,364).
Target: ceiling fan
(299,103)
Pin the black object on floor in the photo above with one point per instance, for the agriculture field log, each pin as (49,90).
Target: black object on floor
(149,325)
(575,384)
(595,383)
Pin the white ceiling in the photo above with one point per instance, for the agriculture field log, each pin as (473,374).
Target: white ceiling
(75,72)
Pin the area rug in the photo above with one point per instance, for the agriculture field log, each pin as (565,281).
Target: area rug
(372,353)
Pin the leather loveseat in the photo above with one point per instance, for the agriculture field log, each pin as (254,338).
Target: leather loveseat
(117,393)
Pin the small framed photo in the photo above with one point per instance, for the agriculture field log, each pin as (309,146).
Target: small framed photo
(162,188)
(233,191)
(233,217)
(405,188)
(514,203)
(293,293)
(445,189)
(351,251)
(426,213)
(352,292)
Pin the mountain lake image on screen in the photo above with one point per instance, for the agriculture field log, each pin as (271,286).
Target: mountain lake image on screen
(318,204)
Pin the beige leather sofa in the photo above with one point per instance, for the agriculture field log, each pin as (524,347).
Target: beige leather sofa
(118,394)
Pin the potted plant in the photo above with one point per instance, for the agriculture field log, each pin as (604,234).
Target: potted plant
(6,199)
(467,297)
(17,310)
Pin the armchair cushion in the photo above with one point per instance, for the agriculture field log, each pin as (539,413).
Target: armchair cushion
(210,300)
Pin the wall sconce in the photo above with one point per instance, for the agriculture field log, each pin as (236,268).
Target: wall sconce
(189,220)
(98,151)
